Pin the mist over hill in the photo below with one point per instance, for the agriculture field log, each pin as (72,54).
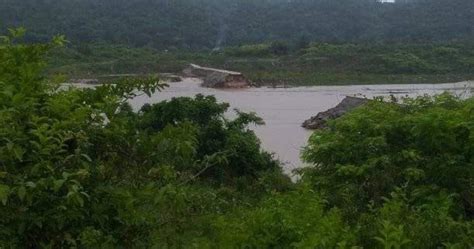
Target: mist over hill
(199,24)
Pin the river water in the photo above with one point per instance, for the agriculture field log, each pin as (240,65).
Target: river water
(284,109)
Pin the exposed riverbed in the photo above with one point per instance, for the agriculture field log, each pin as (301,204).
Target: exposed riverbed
(284,109)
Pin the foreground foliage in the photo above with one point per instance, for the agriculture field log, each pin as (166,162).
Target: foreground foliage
(80,169)
(411,165)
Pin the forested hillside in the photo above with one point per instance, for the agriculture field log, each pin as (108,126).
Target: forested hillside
(199,24)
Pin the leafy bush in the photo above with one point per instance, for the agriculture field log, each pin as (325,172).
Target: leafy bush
(425,142)
(293,220)
(215,135)
(419,152)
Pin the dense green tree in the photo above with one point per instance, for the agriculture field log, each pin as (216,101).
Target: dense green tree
(421,145)
(198,24)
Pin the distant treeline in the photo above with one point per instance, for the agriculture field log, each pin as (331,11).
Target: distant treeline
(206,24)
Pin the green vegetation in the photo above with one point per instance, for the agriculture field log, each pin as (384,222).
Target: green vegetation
(80,169)
(279,63)
(406,169)
(207,24)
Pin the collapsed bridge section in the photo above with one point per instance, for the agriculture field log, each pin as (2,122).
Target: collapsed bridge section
(217,78)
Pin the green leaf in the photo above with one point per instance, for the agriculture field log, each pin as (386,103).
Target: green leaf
(85,156)
(4,192)
(59,40)
(31,184)
(57,184)
(18,32)
(19,152)
(79,199)
(21,192)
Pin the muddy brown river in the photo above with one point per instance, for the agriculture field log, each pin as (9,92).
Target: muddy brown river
(284,109)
